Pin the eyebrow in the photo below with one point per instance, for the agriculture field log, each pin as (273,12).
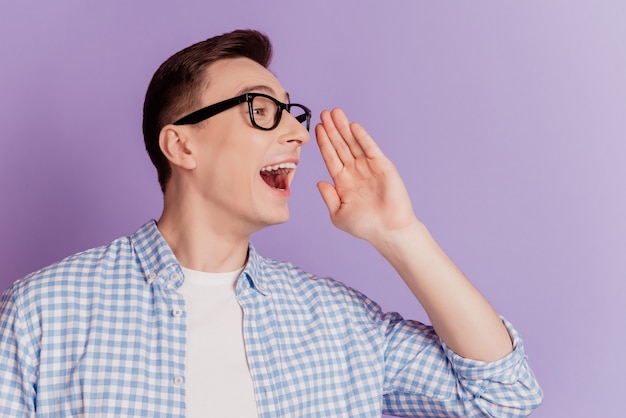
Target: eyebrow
(262,89)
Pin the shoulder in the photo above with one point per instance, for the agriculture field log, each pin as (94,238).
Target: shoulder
(288,282)
(284,274)
(72,274)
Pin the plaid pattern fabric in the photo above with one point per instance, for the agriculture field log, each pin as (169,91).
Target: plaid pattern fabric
(102,333)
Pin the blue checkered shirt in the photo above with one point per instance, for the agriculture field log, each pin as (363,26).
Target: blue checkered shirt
(102,333)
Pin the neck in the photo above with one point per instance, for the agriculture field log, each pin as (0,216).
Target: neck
(198,241)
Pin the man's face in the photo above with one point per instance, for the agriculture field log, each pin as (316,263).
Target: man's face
(243,174)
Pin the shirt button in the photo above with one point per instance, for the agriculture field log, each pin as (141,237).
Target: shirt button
(178,380)
(175,277)
(151,275)
(176,312)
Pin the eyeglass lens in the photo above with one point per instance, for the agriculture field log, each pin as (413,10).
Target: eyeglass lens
(265,112)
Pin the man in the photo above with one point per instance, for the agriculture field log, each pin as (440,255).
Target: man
(185,318)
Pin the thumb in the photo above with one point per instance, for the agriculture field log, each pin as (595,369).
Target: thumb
(330,197)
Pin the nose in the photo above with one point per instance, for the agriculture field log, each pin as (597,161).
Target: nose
(292,130)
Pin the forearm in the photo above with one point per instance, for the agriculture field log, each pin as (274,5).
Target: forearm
(461,316)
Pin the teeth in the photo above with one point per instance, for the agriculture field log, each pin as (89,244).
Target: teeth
(291,166)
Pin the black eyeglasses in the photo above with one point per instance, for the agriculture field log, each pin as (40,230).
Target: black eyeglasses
(265,111)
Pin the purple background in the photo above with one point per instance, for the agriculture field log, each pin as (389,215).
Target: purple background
(506,119)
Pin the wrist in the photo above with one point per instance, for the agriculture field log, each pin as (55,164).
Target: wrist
(397,240)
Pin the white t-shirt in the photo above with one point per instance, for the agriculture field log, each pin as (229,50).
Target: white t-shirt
(217,378)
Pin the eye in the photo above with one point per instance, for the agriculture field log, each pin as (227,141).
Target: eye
(260,111)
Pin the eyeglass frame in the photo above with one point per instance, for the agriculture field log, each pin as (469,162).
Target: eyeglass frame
(219,107)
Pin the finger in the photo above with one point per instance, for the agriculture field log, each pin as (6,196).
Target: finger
(343,126)
(366,143)
(328,151)
(330,197)
(336,138)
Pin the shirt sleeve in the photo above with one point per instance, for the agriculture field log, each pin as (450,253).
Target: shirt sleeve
(17,373)
(423,377)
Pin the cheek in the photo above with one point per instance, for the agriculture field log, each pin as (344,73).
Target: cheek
(234,154)
(234,168)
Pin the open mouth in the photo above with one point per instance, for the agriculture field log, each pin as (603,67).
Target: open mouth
(277,176)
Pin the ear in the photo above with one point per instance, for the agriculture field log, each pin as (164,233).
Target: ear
(173,141)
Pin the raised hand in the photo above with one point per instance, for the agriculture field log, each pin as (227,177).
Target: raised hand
(367,198)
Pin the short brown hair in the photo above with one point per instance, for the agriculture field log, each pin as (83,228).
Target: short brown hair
(177,85)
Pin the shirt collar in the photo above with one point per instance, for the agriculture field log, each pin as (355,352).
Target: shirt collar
(159,263)
(155,256)
(254,270)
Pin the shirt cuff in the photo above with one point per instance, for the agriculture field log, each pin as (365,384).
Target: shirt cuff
(504,370)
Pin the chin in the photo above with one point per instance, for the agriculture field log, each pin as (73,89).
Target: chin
(281,220)
(277,218)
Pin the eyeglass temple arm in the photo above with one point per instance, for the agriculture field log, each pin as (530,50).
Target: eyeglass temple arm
(206,112)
